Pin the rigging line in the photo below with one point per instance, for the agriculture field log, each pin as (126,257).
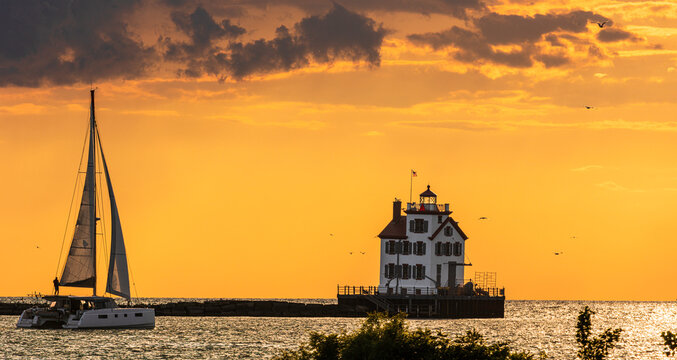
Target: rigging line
(70,209)
(131,274)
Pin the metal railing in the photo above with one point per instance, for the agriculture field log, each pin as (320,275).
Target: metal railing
(427,207)
(415,290)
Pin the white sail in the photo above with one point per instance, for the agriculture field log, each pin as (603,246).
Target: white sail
(118,274)
(80,268)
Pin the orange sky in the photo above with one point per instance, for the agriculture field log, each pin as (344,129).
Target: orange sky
(231,188)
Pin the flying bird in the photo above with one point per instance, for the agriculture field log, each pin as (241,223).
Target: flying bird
(601,25)
(350,253)
(559,253)
(362,252)
(484,218)
(589,107)
(331,234)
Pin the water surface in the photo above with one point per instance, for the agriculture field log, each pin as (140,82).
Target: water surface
(534,326)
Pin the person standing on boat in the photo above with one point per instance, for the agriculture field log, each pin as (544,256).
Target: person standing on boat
(56,286)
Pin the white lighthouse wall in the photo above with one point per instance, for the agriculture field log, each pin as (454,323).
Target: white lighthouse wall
(429,259)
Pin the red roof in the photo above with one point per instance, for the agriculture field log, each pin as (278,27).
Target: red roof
(396,229)
(453,223)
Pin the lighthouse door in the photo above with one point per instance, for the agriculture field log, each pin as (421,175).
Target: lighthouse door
(451,279)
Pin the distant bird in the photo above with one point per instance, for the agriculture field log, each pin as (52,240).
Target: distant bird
(350,253)
(483,218)
(573,237)
(559,253)
(362,252)
(589,107)
(601,25)
(331,234)
(37,247)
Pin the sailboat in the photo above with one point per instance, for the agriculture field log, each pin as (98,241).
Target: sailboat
(90,312)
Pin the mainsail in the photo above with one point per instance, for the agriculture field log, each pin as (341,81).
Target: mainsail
(80,268)
(118,276)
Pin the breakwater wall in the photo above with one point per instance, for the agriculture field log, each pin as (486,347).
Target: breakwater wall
(348,306)
(270,308)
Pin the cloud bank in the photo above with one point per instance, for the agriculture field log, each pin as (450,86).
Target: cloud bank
(81,41)
(64,42)
(339,34)
(516,40)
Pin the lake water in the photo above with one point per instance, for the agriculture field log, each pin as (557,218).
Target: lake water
(534,326)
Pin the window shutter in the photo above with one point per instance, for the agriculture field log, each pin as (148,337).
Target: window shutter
(385,273)
(437,248)
(423,272)
(423,252)
(387,247)
(412,225)
(425,226)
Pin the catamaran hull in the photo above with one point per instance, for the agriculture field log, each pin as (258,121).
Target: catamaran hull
(118,318)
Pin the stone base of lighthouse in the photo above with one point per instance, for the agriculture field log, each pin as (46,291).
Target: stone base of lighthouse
(442,306)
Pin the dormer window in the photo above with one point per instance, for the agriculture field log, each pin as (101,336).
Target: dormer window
(448,231)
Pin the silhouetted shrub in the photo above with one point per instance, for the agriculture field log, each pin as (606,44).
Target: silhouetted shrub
(388,337)
(670,342)
(594,348)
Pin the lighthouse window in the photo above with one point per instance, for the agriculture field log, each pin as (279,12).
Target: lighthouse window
(448,231)
(458,249)
(392,247)
(419,248)
(406,248)
(418,226)
(406,271)
(419,272)
(390,271)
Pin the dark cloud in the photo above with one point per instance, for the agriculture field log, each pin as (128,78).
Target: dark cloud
(472,47)
(612,35)
(480,42)
(202,31)
(64,42)
(339,34)
(78,41)
(457,8)
(510,29)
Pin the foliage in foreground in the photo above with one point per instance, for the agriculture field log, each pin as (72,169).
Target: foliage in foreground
(594,348)
(670,342)
(388,337)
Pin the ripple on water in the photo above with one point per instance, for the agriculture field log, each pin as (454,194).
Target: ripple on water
(529,325)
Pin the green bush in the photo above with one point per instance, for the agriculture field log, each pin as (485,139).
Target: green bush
(388,337)
(670,342)
(594,348)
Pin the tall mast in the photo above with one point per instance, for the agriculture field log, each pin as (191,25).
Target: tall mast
(91,166)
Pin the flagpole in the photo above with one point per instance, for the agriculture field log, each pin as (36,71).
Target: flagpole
(411,183)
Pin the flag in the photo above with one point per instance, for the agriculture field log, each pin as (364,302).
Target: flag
(413,173)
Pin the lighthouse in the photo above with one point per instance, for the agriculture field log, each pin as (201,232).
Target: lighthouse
(422,251)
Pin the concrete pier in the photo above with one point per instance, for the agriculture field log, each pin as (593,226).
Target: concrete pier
(347,307)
